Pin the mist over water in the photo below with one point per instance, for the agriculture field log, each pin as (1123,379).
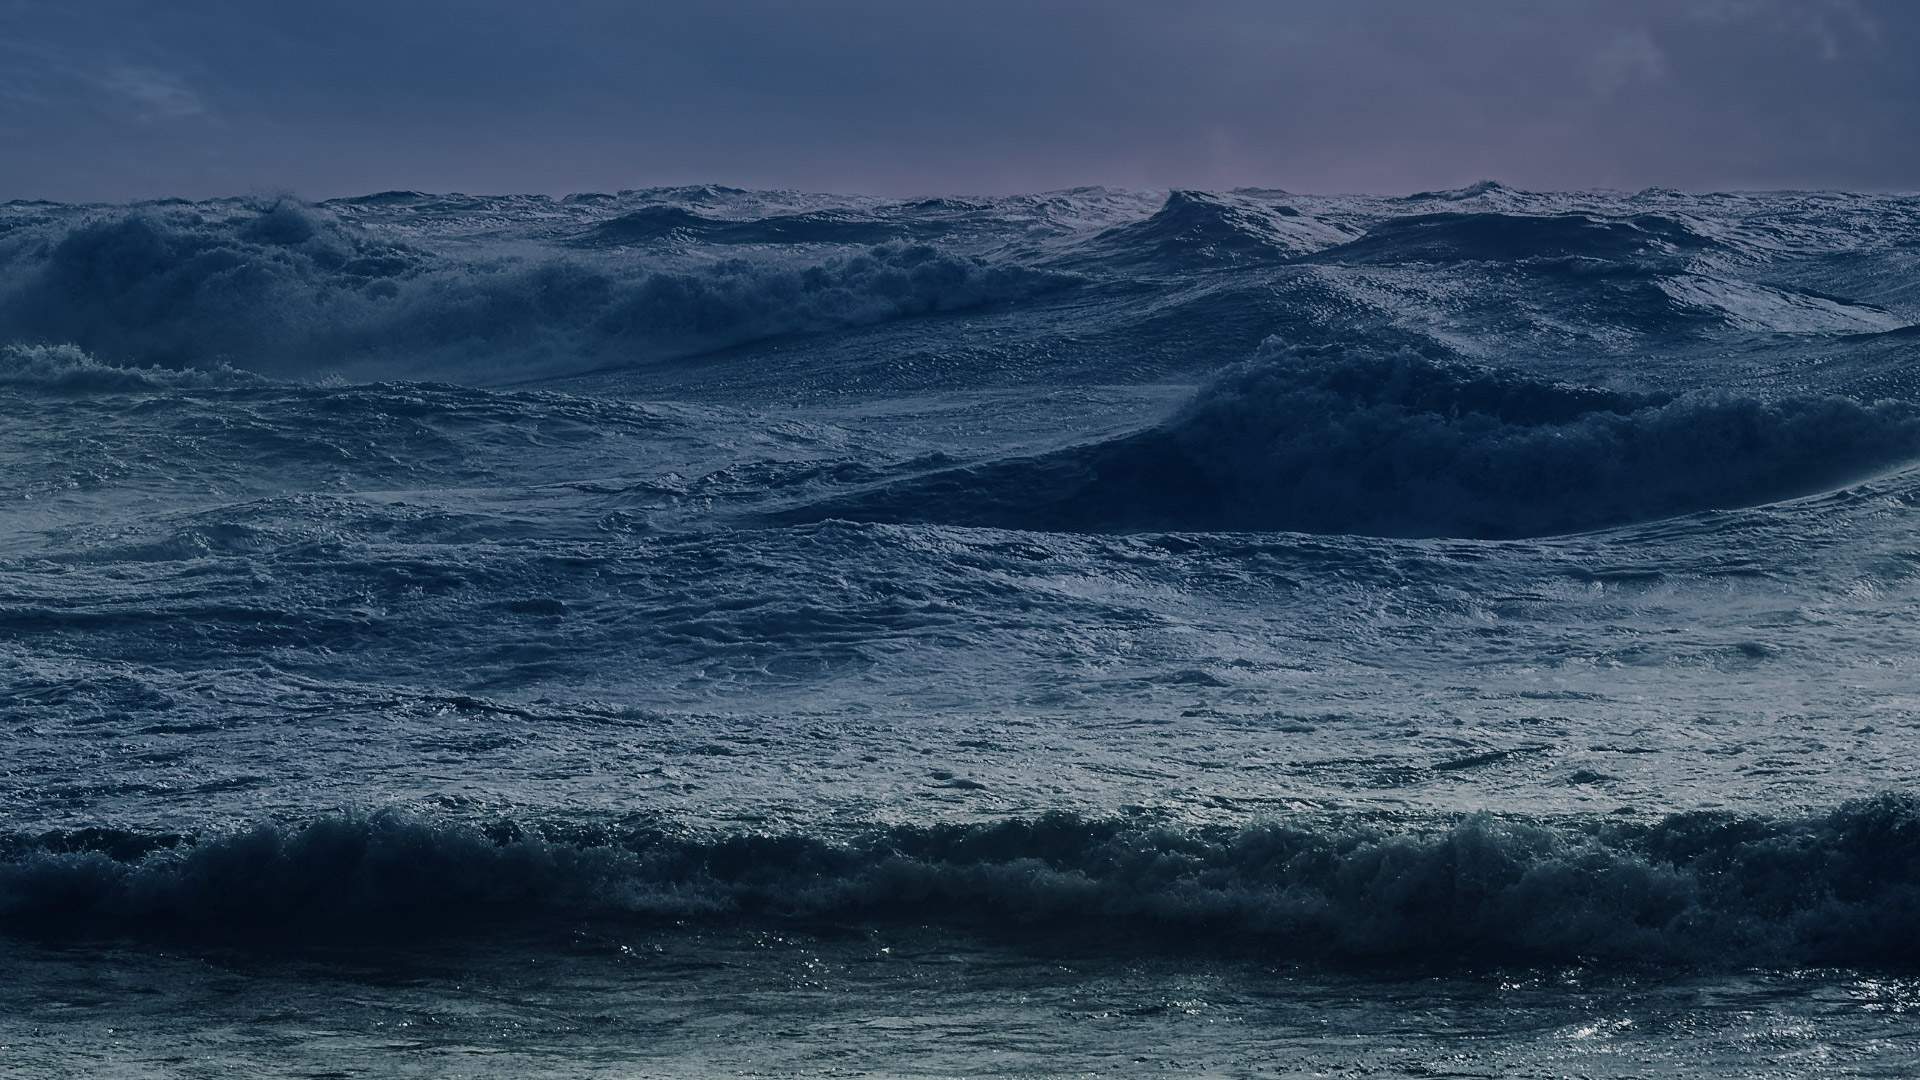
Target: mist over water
(1054,622)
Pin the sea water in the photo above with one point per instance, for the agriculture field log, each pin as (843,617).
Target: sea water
(698,632)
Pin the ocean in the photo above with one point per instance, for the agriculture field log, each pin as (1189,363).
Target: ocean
(708,632)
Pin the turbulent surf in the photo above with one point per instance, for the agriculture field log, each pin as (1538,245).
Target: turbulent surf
(1225,589)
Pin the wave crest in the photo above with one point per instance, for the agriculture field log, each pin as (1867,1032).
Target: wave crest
(65,369)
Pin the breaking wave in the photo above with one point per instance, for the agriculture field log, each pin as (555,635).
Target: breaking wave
(292,290)
(1344,441)
(1708,889)
(64,369)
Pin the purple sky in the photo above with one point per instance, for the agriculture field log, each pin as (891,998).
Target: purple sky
(118,99)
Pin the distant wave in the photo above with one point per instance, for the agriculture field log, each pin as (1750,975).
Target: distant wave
(656,223)
(1710,889)
(63,369)
(1398,444)
(289,289)
(1476,190)
(1502,237)
(1196,230)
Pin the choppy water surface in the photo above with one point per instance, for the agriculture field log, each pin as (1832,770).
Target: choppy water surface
(702,631)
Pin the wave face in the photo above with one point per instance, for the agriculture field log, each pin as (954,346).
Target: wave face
(1403,445)
(1842,887)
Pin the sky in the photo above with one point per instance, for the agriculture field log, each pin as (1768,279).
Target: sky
(113,100)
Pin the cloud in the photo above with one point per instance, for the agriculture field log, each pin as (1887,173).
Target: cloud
(152,94)
(1830,29)
(54,75)
(1629,58)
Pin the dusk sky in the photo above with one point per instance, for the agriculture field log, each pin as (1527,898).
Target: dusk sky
(115,99)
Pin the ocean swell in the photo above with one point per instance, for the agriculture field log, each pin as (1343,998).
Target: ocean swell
(1398,444)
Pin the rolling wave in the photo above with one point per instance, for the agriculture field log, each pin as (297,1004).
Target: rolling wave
(293,290)
(1706,889)
(1398,444)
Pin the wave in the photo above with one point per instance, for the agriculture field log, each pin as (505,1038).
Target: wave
(1331,440)
(64,369)
(396,197)
(1761,308)
(1477,189)
(1897,334)
(653,223)
(657,223)
(1837,887)
(289,289)
(1503,237)
(1196,229)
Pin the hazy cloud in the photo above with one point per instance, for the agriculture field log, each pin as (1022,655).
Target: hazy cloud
(1829,28)
(152,94)
(62,80)
(1629,58)
(339,96)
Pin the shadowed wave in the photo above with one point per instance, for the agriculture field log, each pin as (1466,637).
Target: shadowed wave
(1715,890)
(1354,441)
